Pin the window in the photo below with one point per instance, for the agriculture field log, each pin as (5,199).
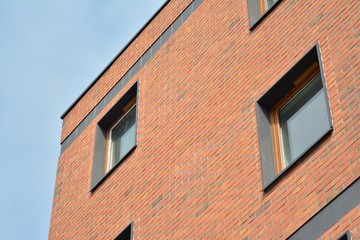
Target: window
(115,136)
(122,135)
(345,236)
(126,234)
(292,117)
(258,9)
(299,119)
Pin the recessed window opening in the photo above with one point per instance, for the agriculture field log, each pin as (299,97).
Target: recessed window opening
(258,9)
(127,233)
(292,116)
(116,136)
(345,236)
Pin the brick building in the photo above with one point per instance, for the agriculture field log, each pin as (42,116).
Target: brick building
(233,119)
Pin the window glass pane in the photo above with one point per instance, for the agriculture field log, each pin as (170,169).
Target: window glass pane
(303,120)
(123,137)
(127,141)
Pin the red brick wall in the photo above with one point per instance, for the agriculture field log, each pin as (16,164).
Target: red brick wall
(196,171)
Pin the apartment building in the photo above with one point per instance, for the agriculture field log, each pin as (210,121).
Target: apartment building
(233,119)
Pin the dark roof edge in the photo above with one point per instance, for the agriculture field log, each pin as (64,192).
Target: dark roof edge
(113,60)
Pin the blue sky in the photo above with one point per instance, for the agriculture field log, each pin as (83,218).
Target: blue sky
(50,51)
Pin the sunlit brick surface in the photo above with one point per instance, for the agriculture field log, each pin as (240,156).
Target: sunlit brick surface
(196,173)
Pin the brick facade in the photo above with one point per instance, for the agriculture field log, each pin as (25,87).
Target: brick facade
(196,172)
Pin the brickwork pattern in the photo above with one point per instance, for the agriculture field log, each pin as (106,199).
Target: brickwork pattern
(195,173)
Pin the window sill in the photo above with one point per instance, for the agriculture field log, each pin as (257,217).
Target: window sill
(112,169)
(286,170)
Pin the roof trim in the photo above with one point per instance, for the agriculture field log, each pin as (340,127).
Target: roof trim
(113,60)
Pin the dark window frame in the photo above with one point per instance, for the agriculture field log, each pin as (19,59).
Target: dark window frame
(255,17)
(99,173)
(263,110)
